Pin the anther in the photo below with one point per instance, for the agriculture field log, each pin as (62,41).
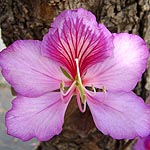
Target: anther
(104,89)
(93,88)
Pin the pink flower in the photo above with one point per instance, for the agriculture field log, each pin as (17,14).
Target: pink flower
(76,57)
(142,144)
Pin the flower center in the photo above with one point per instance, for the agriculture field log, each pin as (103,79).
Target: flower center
(77,88)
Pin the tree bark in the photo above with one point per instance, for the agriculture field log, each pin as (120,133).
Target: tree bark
(27,19)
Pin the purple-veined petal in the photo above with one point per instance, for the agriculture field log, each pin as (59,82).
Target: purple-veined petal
(76,34)
(41,117)
(142,144)
(124,69)
(120,115)
(28,71)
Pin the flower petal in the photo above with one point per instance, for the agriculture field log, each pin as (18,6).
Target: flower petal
(120,115)
(76,34)
(124,69)
(27,71)
(40,117)
(142,144)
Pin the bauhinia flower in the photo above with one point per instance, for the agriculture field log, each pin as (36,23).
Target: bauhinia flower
(143,143)
(77,57)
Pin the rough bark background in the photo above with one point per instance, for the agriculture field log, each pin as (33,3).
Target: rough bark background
(30,19)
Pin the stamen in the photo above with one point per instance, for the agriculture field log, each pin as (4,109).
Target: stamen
(81,91)
(79,83)
(62,85)
(78,71)
(79,102)
(65,97)
(90,92)
(104,89)
(93,88)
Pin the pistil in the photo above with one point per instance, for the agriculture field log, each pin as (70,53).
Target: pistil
(79,84)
